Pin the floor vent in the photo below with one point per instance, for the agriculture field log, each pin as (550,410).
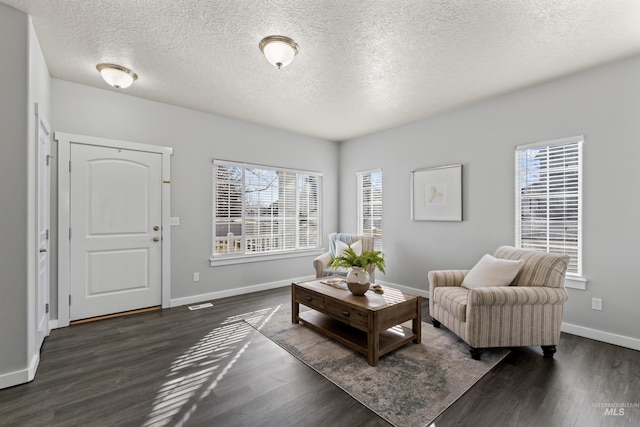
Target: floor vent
(200,306)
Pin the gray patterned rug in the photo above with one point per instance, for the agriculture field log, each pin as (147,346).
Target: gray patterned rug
(410,386)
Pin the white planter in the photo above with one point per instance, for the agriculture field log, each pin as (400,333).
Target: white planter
(358,280)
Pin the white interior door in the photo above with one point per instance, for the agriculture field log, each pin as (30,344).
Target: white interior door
(115,230)
(43,208)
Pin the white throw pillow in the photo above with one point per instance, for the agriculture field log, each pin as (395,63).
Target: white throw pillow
(491,271)
(341,246)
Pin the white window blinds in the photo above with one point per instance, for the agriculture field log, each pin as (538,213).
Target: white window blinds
(370,205)
(548,199)
(259,209)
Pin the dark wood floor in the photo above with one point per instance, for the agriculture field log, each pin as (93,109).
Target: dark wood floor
(208,368)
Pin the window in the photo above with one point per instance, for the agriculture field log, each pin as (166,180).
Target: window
(264,210)
(548,199)
(370,205)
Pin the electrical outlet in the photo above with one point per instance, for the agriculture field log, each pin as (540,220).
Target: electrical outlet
(596,304)
(196,277)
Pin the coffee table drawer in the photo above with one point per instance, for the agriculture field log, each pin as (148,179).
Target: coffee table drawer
(352,316)
(310,299)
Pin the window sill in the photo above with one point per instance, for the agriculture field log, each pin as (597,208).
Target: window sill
(575,282)
(243,259)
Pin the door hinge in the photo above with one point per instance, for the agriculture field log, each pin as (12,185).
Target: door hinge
(69,233)
(69,165)
(47,234)
(69,299)
(46,308)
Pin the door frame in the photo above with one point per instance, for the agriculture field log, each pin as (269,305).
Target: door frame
(64,182)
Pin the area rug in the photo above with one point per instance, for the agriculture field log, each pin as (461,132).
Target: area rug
(410,387)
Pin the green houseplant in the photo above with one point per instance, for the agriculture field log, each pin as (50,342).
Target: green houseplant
(358,278)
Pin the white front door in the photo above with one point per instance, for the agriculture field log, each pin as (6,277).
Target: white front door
(115,226)
(43,179)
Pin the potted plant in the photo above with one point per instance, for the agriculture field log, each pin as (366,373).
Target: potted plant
(358,279)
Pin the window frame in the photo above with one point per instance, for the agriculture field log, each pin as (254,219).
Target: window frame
(574,278)
(378,239)
(244,256)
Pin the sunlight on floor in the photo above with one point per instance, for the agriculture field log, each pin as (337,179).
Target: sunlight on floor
(194,374)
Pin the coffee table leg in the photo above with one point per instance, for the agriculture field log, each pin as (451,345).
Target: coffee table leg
(295,307)
(373,341)
(417,322)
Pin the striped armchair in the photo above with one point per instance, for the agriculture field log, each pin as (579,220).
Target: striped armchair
(527,312)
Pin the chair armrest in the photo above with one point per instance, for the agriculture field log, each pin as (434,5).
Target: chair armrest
(516,295)
(439,278)
(321,262)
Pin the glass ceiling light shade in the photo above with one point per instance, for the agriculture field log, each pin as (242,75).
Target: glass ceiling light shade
(116,75)
(279,50)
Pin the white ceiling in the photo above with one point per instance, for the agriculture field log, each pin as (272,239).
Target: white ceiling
(363,65)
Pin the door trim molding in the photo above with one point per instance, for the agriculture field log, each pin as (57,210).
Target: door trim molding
(42,129)
(64,268)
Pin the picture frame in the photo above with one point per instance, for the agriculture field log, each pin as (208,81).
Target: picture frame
(436,194)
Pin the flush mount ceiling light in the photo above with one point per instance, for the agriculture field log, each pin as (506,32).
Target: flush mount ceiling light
(117,75)
(279,50)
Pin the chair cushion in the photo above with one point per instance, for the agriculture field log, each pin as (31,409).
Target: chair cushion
(491,271)
(453,299)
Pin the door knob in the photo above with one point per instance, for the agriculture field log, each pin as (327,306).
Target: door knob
(43,250)
(156,239)
(156,228)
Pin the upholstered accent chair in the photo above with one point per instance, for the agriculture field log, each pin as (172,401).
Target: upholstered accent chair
(321,262)
(524,311)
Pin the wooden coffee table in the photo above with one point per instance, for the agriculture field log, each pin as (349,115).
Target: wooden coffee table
(369,324)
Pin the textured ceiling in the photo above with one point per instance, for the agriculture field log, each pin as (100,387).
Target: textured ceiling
(363,65)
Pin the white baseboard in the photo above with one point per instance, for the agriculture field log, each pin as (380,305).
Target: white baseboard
(176,302)
(22,376)
(608,337)
(14,378)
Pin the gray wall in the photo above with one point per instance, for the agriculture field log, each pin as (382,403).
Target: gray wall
(197,138)
(13,190)
(602,104)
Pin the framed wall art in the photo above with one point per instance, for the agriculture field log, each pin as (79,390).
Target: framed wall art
(436,194)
